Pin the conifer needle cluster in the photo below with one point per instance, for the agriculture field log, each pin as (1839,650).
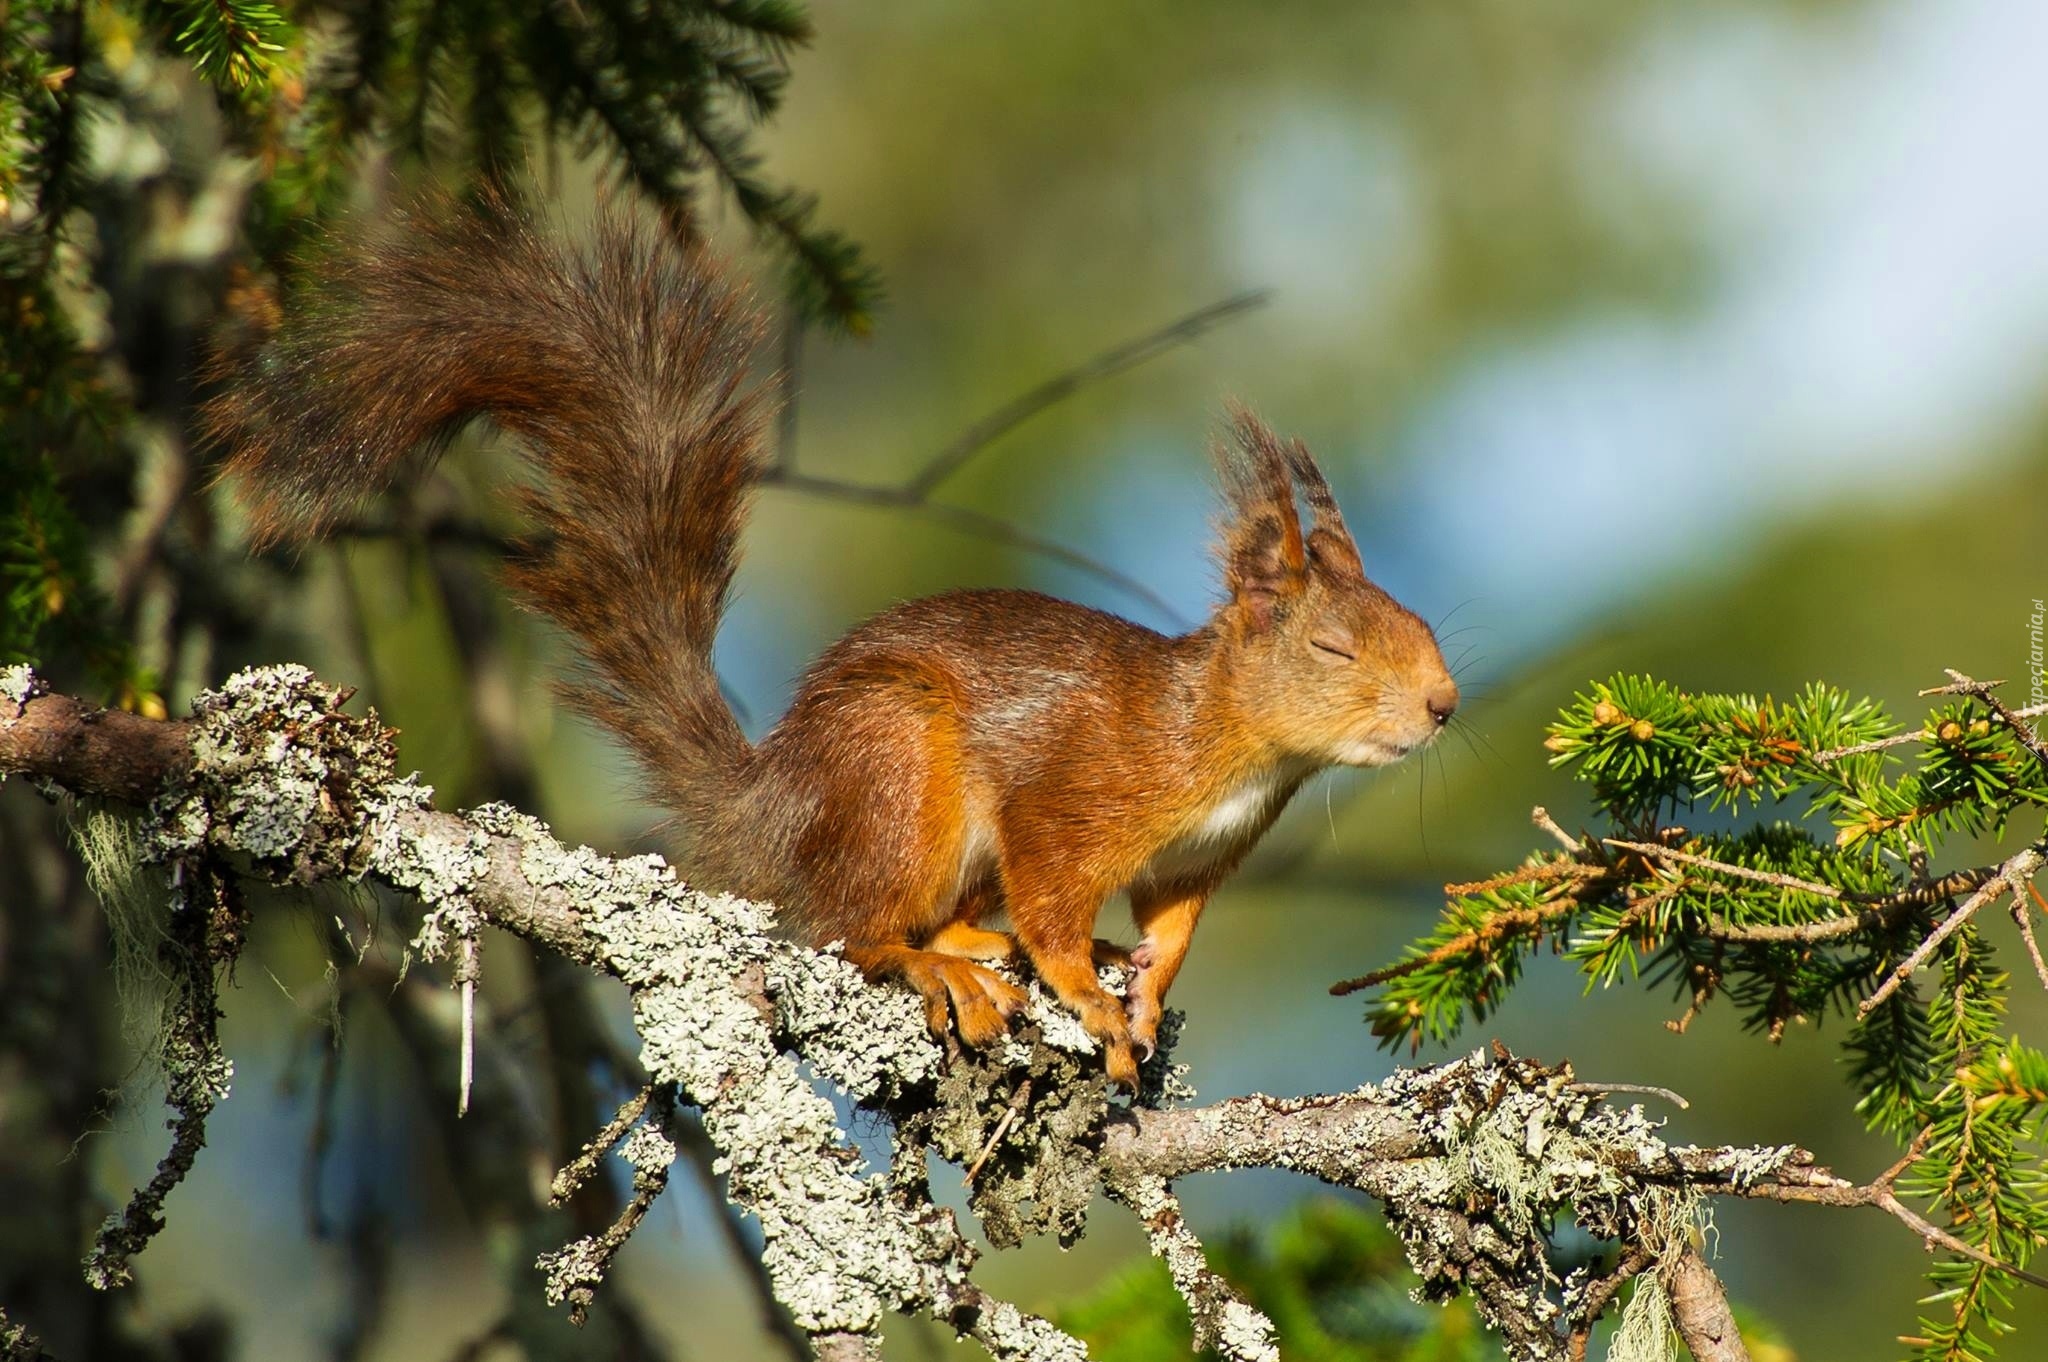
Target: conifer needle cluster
(1783,858)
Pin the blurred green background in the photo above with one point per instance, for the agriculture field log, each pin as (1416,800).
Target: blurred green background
(1704,339)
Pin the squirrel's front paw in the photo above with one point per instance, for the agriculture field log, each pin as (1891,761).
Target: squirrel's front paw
(1103,1018)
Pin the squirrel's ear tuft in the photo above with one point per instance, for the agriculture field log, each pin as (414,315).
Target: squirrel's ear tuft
(1329,543)
(1263,555)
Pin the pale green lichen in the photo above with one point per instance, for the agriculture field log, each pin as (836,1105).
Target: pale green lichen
(1646,1332)
(1242,1332)
(19,684)
(869,1041)
(1665,1223)
(1162,1081)
(1743,1167)
(834,1246)
(648,1149)
(1525,1142)
(134,897)
(1224,1323)
(275,766)
(1008,1333)
(578,1266)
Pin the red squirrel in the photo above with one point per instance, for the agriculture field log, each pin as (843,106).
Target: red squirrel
(955,758)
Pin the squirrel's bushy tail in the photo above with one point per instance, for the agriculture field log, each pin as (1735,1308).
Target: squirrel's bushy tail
(622,368)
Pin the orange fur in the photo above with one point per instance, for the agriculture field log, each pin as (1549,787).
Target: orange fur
(955,758)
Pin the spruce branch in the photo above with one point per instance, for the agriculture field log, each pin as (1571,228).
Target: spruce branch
(229,41)
(1787,924)
(1986,692)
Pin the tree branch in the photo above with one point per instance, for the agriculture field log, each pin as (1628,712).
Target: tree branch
(1471,1159)
(1699,1307)
(1061,386)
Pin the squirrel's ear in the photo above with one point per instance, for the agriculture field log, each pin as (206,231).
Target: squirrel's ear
(1264,558)
(1329,543)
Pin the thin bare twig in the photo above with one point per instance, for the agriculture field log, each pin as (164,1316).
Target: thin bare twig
(1540,816)
(1634,1260)
(1933,1235)
(1061,386)
(2026,930)
(1018,1101)
(2012,878)
(466,971)
(1914,1149)
(163,496)
(2025,920)
(1834,754)
(1647,1089)
(976,523)
(1740,872)
(789,379)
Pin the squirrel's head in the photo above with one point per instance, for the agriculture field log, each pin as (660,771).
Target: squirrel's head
(1329,667)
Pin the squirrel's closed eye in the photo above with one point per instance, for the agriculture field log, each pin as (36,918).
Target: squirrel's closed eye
(1333,649)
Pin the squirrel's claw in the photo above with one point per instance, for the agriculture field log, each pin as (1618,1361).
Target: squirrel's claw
(1122,1066)
(1144,1022)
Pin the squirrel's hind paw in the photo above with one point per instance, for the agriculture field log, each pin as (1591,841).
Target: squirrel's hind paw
(982,1003)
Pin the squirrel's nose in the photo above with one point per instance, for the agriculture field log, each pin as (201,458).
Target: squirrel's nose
(1443,701)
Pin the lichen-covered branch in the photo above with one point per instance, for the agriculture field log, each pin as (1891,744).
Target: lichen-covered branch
(271,777)
(1224,1322)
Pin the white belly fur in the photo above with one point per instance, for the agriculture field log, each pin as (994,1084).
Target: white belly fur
(1240,812)
(977,854)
